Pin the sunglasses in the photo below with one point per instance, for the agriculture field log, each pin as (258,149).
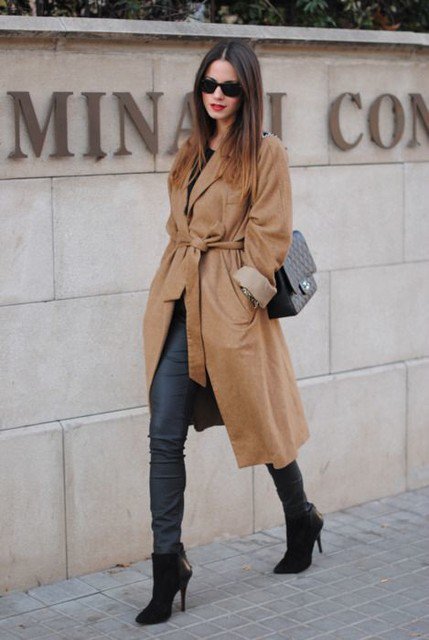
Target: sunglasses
(229,89)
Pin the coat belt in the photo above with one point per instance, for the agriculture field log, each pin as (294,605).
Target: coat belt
(197,245)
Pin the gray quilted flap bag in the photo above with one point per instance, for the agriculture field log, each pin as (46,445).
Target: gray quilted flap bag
(294,280)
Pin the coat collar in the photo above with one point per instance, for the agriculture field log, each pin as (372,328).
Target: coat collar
(211,172)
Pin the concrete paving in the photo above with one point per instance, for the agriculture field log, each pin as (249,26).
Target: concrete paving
(370,582)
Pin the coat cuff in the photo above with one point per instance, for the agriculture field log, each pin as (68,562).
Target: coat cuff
(259,286)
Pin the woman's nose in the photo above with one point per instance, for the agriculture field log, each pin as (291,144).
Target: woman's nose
(218,92)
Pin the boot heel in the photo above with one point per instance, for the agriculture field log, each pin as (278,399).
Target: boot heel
(185,572)
(319,543)
(182,596)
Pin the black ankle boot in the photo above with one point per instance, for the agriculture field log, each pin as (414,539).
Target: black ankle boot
(301,534)
(171,572)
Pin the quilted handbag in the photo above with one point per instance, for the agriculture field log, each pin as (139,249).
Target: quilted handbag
(294,280)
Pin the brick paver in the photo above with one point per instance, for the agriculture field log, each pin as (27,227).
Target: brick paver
(371,582)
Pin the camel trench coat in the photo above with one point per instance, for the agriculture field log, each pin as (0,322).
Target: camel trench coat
(236,353)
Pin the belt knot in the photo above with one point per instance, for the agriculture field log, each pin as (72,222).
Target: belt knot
(199,243)
(211,240)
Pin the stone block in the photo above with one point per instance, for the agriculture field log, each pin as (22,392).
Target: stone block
(351,216)
(32,531)
(379,315)
(26,255)
(71,358)
(109,232)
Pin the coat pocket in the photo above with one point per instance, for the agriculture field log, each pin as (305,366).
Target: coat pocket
(238,295)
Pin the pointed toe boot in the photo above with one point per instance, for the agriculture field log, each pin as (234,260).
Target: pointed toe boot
(171,573)
(301,534)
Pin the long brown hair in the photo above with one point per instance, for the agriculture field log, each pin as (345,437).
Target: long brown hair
(242,142)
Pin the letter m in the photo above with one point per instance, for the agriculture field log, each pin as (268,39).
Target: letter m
(22,104)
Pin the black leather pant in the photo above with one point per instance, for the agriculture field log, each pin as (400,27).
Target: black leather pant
(172,394)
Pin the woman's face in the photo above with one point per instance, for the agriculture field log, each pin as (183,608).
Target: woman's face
(221,71)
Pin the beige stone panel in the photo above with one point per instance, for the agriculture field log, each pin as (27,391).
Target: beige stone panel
(350,216)
(174,74)
(109,232)
(307,333)
(32,531)
(372,78)
(416,189)
(70,358)
(107,490)
(76,73)
(26,255)
(357,448)
(218,498)
(379,315)
(418,423)
(305,83)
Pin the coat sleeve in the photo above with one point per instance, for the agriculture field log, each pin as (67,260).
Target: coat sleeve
(268,232)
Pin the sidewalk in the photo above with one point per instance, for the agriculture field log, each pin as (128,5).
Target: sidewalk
(371,581)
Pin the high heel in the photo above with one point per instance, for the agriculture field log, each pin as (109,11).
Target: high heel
(185,573)
(302,533)
(182,597)
(171,573)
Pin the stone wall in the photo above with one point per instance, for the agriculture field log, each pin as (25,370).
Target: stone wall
(81,237)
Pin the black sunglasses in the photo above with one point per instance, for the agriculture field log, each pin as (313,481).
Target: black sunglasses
(230,89)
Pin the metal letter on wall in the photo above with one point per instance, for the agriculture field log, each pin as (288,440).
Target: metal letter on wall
(419,108)
(334,121)
(398,120)
(94,132)
(22,103)
(187,108)
(127,104)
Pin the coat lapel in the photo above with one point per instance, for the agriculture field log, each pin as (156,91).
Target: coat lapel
(211,172)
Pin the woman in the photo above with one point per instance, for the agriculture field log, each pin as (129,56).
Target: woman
(213,355)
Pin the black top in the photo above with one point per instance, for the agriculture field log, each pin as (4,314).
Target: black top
(208,154)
